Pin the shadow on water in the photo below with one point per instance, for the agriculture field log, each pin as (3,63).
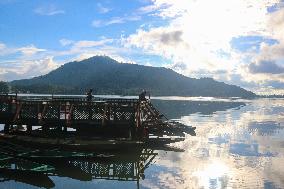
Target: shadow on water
(31,178)
(38,171)
(176,108)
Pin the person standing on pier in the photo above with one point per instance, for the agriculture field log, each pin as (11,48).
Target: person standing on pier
(90,95)
(142,96)
(89,100)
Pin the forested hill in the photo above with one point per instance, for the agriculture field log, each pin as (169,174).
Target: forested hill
(107,76)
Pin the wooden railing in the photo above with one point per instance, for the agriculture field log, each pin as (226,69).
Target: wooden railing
(69,111)
(78,113)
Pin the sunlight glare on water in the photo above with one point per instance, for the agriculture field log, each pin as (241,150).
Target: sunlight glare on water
(236,145)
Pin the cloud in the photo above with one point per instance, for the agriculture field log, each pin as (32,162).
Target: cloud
(2,46)
(83,49)
(65,42)
(147,9)
(22,69)
(115,20)
(102,9)
(48,10)
(82,46)
(4,50)
(266,67)
(30,50)
(39,67)
(79,50)
(171,38)
(275,23)
(160,41)
(89,44)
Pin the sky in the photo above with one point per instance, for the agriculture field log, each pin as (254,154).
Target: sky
(238,42)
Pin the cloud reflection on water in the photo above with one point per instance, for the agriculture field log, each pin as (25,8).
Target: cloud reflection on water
(234,147)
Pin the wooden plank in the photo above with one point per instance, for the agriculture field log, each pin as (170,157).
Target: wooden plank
(19,107)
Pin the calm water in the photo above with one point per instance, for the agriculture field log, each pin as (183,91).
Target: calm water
(238,144)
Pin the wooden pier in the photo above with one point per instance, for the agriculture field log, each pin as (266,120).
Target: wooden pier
(53,116)
(111,139)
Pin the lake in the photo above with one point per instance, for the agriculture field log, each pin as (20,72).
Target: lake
(238,144)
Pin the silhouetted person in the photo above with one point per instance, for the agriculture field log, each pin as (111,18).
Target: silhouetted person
(90,95)
(142,96)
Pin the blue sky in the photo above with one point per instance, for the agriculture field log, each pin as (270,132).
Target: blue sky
(236,41)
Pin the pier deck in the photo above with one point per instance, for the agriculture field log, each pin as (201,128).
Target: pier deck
(111,116)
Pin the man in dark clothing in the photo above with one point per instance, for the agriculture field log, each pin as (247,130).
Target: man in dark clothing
(90,95)
(142,96)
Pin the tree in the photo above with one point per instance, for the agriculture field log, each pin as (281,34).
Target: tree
(4,88)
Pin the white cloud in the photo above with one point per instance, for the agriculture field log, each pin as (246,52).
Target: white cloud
(38,67)
(65,42)
(48,10)
(30,50)
(4,50)
(102,9)
(147,9)
(81,47)
(2,46)
(87,48)
(22,69)
(97,23)
(86,44)
(115,20)
(275,24)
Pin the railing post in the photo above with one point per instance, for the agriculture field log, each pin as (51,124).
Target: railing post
(138,115)
(104,115)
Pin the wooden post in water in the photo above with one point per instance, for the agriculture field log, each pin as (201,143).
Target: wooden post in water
(65,128)
(6,128)
(29,129)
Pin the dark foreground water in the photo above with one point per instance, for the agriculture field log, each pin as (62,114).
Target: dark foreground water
(238,144)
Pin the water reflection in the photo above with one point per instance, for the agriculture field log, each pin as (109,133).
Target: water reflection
(128,166)
(264,128)
(175,109)
(235,147)
(243,149)
(29,178)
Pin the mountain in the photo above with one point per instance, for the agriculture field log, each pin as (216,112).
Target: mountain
(107,76)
